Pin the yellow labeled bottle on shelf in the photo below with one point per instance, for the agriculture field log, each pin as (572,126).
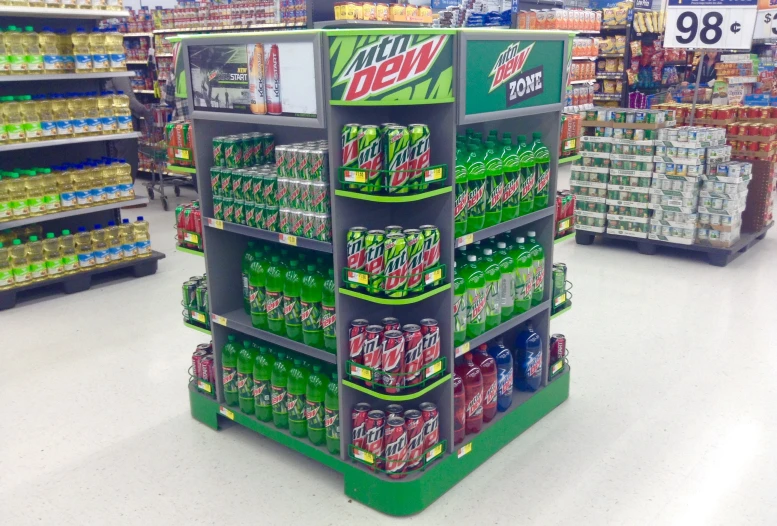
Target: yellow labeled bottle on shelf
(97,46)
(5,67)
(75,106)
(93,124)
(32,53)
(142,237)
(127,239)
(105,108)
(112,236)
(82,183)
(110,181)
(49,48)
(84,249)
(65,45)
(14,123)
(114,5)
(19,266)
(32,128)
(37,3)
(6,273)
(122,112)
(81,51)
(35,193)
(31,230)
(18,194)
(66,188)
(100,246)
(5,199)
(67,247)
(3,133)
(96,183)
(14,48)
(51,199)
(35,259)
(61,113)
(48,126)
(98,4)
(124,180)
(114,44)
(52,256)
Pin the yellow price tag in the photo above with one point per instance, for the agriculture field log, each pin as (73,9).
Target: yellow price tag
(226,412)
(433,369)
(353,176)
(220,320)
(557,367)
(462,349)
(204,386)
(434,276)
(433,452)
(564,224)
(433,174)
(216,223)
(560,300)
(198,316)
(289,240)
(465,449)
(182,154)
(364,455)
(357,277)
(465,240)
(361,373)
(191,238)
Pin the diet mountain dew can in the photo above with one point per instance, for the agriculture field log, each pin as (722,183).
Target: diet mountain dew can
(395,266)
(415,259)
(322,228)
(308,224)
(397,148)
(282,193)
(318,165)
(371,157)
(319,197)
(373,259)
(284,221)
(420,155)
(302,163)
(271,217)
(280,161)
(297,223)
(218,152)
(270,189)
(304,195)
(290,158)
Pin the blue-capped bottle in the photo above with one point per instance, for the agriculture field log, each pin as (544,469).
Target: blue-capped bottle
(504,375)
(528,360)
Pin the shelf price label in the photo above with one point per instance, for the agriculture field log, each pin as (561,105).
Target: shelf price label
(433,175)
(462,349)
(204,386)
(219,320)
(360,372)
(557,367)
(288,239)
(433,369)
(191,237)
(434,452)
(564,224)
(766,23)
(357,277)
(710,24)
(355,176)
(463,450)
(560,300)
(182,154)
(465,240)
(216,223)
(433,276)
(200,317)
(363,456)
(226,412)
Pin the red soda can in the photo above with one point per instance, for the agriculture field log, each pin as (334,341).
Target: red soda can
(393,360)
(390,324)
(374,429)
(414,424)
(396,447)
(197,357)
(207,369)
(431,416)
(372,350)
(414,353)
(430,330)
(359,424)
(356,335)
(558,347)
(273,82)
(395,409)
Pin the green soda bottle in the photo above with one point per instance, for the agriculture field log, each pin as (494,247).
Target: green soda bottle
(542,160)
(459,307)
(248,257)
(538,255)
(493,135)
(329,316)
(292,314)
(315,396)
(460,206)
(528,177)
(245,378)
(257,276)
(229,369)
(475,283)
(524,275)
(273,296)
(279,380)
(506,281)
(511,167)
(493,275)
(295,398)
(332,416)
(476,189)
(263,367)
(494,185)
(311,296)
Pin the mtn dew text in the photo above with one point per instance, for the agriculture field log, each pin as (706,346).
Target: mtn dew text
(542,160)
(528,177)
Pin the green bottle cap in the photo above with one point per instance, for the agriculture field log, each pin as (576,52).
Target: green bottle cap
(275,259)
(44,170)
(1,245)
(247,344)
(251,244)
(50,235)
(66,232)
(334,375)
(11,28)
(506,135)
(521,139)
(311,268)
(331,272)
(294,263)
(33,238)
(231,338)
(490,145)
(536,135)
(281,355)
(472,147)
(316,368)
(7,98)
(28,28)
(297,362)
(17,241)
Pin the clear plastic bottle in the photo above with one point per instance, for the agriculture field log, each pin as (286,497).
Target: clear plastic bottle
(67,247)
(105,108)
(81,51)
(35,259)
(19,266)
(93,124)
(75,106)
(110,181)
(48,126)
(14,48)
(61,113)
(52,62)
(142,237)
(32,53)
(96,189)
(51,200)
(5,199)
(52,256)
(6,273)
(34,186)
(122,112)
(84,249)
(124,180)
(14,123)
(18,193)
(83,184)
(66,188)
(112,237)
(127,239)
(5,67)
(32,128)
(100,246)
(97,46)
(114,44)
(3,132)
(65,45)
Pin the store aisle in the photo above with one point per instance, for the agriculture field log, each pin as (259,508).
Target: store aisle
(669,421)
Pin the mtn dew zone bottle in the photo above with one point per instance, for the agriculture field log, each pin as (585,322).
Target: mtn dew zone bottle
(295,399)
(475,281)
(524,275)
(332,415)
(315,395)
(528,176)
(245,378)
(263,367)
(460,205)
(538,256)
(542,160)
(494,185)
(459,307)
(229,370)
(511,196)
(492,273)
(476,189)
(279,382)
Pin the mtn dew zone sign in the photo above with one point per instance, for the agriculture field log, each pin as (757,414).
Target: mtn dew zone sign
(386,68)
(510,74)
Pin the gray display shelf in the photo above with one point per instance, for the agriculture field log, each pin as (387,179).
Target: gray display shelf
(67,76)
(71,213)
(266,235)
(512,224)
(45,12)
(68,142)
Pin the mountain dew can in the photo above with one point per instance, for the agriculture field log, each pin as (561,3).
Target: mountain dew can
(218,152)
(395,266)
(371,157)
(284,221)
(397,148)
(420,155)
(215,180)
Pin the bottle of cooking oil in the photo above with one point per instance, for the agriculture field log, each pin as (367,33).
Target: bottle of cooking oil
(66,188)
(31,230)
(98,4)
(82,183)
(122,112)
(19,266)
(99,246)
(84,249)
(14,48)
(52,62)
(14,123)
(142,237)
(5,199)
(32,53)
(105,108)
(114,5)
(93,124)
(51,200)
(114,44)
(81,50)
(37,3)
(110,181)
(97,46)
(48,128)
(61,113)
(18,193)
(52,255)
(6,273)
(5,67)
(67,247)
(112,235)
(65,45)
(97,184)
(75,106)
(34,184)
(3,133)
(127,239)
(32,128)
(35,259)
(124,180)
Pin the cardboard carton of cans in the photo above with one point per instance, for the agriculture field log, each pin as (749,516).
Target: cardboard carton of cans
(590,209)
(627,228)
(671,234)
(583,190)
(590,224)
(692,136)
(715,238)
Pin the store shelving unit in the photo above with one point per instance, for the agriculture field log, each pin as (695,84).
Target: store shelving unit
(461,99)
(45,12)
(68,142)
(72,213)
(67,76)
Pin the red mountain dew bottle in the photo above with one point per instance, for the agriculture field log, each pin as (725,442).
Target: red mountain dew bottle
(248,257)
(538,255)
(332,416)
(493,274)
(542,158)
(460,206)
(292,313)
(263,366)
(528,176)
(245,378)
(311,296)
(273,296)
(295,399)
(279,380)
(328,315)
(511,167)
(506,280)
(315,395)
(459,307)
(494,185)
(229,369)
(257,275)
(524,275)
(476,189)
(475,282)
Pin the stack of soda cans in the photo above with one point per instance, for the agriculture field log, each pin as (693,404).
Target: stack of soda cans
(195,301)
(203,367)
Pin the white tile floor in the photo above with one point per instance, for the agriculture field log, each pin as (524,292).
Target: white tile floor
(671,417)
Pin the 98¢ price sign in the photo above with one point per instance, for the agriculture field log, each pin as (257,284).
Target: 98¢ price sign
(710,24)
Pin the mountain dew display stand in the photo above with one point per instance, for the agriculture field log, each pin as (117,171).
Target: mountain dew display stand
(450,80)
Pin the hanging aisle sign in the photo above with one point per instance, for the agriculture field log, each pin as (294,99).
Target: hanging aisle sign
(766,21)
(710,24)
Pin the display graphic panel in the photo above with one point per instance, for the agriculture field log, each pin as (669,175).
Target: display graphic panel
(261,78)
(381,68)
(506,75)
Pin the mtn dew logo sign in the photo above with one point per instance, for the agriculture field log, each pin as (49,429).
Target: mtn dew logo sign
(509,63)
(390,67)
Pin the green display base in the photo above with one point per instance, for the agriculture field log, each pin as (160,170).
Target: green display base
(189,251)
(181,169)
(562,311)
(395,301)
(397,397)
(571,158)
(416,492)
(204,331)
(395,198)
(567,237)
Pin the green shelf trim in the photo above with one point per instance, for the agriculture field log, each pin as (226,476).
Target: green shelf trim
(181,169)
(390,103)
(562,311)
(204,331)
(395,301)
(569,159)
(400,397)
(393,199)
(564,238)
(393,31)
(190,251)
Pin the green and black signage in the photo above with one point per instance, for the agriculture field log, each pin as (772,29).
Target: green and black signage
(504,75)
(382,68)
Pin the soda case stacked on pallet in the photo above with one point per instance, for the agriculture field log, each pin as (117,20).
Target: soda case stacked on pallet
(188,226)
(195,302)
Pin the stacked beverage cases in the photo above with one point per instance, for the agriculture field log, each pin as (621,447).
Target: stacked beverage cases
(393,357)
(292,391)
(387,159)
(203,369)
(393,262)
(195,302)
(498,180)
(281,188)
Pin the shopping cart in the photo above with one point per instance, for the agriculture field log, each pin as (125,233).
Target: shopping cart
(153,153)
